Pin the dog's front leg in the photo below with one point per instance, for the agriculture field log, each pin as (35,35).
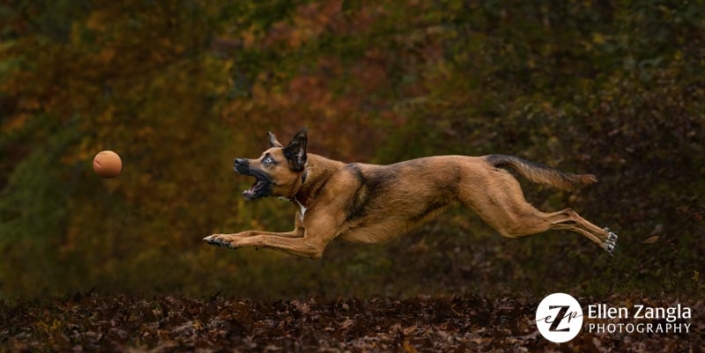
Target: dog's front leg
(230,240)
(307,242)
(300,246)
(297,232)
(251,233)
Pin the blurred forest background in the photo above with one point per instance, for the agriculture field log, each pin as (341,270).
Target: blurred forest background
(179,88)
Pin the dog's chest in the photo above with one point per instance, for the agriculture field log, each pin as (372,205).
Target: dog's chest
(302,209)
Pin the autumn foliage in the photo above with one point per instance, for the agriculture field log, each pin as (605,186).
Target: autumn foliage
(179,89)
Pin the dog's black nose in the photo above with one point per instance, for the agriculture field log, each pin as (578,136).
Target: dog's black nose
(242,162)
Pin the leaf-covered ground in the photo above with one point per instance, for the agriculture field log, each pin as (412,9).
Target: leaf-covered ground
(100,323)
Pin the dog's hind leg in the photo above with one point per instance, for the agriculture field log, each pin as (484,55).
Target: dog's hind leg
(501,204)
(570,220)
(521,221)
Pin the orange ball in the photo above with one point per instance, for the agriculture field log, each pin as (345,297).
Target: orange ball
(107,164)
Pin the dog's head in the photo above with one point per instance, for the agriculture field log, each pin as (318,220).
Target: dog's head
(279,170)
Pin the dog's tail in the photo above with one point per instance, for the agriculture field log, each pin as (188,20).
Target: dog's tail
(542,174)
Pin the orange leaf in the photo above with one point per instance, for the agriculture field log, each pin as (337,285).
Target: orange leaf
(651,240)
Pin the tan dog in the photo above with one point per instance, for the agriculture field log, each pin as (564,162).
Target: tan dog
(373,203)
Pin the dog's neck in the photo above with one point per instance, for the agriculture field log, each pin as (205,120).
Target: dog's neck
(296,187)
(318,170)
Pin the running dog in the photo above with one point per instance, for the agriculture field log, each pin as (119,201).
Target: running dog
(372,203)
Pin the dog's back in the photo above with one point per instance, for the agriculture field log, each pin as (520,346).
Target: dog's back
(389,200)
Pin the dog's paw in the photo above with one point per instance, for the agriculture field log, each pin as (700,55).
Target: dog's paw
(611,242)
(218,240)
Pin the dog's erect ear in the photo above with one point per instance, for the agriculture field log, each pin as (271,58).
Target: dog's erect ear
(295,153)
(273,142)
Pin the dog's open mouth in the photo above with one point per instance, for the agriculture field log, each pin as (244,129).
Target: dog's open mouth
(260,188)
(255,189)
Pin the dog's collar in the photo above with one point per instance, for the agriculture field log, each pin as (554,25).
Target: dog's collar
(293,199)
(304,175)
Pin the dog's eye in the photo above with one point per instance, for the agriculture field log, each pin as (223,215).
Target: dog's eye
(268,159)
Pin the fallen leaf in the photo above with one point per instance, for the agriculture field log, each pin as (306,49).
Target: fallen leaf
(651,240)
